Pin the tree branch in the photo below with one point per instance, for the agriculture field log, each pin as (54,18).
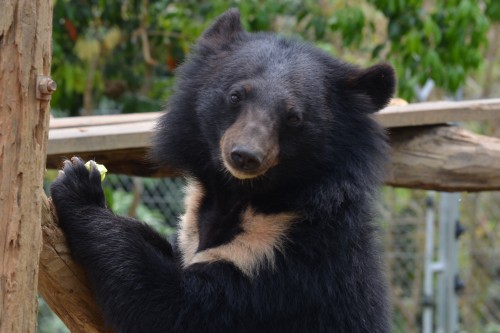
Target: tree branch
(62,282)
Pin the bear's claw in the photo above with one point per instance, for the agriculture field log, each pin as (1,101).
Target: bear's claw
(76,186)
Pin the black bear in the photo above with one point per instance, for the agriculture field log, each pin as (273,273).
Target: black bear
(283,160)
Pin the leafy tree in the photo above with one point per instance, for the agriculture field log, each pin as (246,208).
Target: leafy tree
(443,41)
(121,55)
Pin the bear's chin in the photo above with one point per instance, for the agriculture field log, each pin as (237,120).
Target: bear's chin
(243,175)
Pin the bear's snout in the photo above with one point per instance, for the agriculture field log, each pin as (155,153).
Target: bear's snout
(249,147)
(246,159)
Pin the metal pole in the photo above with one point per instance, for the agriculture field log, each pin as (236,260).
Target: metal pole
(447,302)
(428,297)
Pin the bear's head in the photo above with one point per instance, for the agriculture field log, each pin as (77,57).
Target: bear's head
(265,107)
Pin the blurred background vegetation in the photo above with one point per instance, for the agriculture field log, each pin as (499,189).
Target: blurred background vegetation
(120,56)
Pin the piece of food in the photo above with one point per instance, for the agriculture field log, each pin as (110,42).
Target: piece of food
(100,167)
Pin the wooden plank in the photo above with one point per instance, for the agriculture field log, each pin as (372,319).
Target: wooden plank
(70,122)
(429,113)
(107,133)
(446,158)
(99,138)
(393,116)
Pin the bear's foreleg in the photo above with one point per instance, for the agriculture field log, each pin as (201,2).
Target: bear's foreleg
(133,273)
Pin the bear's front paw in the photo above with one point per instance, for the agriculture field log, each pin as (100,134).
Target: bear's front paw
(76,187)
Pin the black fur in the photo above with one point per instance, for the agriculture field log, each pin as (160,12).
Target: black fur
(327,275)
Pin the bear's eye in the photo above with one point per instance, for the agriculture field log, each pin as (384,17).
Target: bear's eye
(234,98)
(293,118)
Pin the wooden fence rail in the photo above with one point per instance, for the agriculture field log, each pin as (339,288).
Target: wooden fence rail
(427,152)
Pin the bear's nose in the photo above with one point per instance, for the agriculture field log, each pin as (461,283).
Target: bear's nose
(246,159)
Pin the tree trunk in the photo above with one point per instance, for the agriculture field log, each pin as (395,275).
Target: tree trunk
(25,52)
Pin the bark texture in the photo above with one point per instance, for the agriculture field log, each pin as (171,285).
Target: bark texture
(62,282)
(444,158)
(25,52)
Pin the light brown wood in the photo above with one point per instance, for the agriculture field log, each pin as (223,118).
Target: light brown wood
(100,138)
(120,142)
(84,121)
(444,158)
(25,52)
(62,282)
(431,113)
(68,136)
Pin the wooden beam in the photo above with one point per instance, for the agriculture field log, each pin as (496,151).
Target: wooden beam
(444,158)
(84,121)
(25,53)
(62,282)
(131,162)
(100,138)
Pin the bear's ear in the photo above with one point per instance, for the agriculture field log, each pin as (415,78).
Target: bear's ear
(224,31)
(378,82)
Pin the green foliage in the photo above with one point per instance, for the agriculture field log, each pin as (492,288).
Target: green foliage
(101,42)
(492,328)
(120,202)
(442,42)
(349,21)
(121,55)
(47,321)
(493,10)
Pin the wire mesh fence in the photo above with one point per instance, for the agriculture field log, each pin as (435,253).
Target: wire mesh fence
(161,195)
(479,260)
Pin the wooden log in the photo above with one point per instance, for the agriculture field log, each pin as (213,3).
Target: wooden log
(444,158)
(25,53)
(62,282)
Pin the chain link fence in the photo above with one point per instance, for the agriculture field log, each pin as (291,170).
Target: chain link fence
(160,195)
(404,238)
(479,260)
